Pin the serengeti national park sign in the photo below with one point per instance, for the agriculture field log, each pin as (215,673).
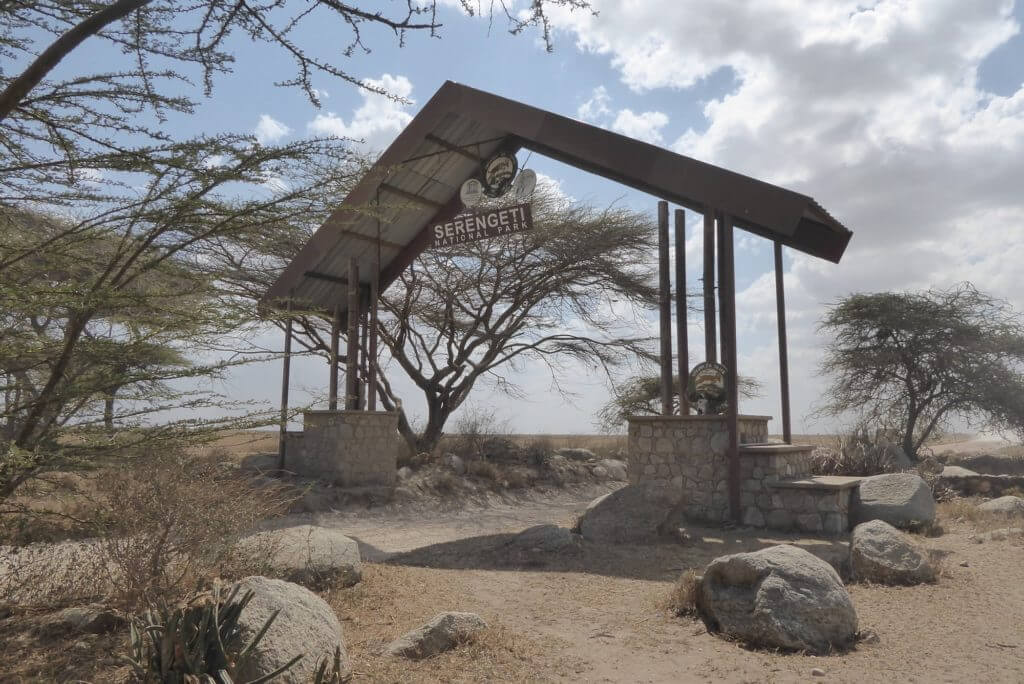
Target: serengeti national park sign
(480,226)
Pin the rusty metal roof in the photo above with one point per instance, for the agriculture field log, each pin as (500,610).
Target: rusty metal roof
(416,182)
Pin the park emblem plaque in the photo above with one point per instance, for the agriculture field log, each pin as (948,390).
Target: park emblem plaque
(706,388)
(498,174)
(480,226)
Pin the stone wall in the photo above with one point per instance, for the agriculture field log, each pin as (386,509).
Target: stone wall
(346,448)
(686,455)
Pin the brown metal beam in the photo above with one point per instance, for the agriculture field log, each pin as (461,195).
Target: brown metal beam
(370,238)
(411,196)
(332,392)
(727,285)
(326,276)
(723,344)
(371,382)
(780,314)
(710,336)
(352,352)
(665,310)
(286,364)
(457,149)
(682,337)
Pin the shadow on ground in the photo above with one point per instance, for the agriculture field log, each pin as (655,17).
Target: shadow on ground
(661,560)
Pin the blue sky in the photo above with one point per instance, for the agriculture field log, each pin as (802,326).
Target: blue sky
(904,118)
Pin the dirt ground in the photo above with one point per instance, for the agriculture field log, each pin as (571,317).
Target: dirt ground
(602,617)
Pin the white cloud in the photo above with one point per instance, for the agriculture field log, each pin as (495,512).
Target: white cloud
(645,126)
(270,130)
(377,121)
(596,108)
(873,108)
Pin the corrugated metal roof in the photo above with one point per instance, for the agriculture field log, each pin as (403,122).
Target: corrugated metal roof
(417,182)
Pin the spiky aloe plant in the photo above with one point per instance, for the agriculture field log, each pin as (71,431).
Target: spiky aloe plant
(196,644)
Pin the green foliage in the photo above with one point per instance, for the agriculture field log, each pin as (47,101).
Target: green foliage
(641,396)
(911,362)
(200,642)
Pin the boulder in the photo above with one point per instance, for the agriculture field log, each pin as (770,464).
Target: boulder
(307,554)
(630,514)
(454,463)
(779,597)
(444,632)
(615,469)
(548,539)
(880,553)
(577,454)
(900,499)
(956,471)
(1004,505)
(305,625)
(93,618)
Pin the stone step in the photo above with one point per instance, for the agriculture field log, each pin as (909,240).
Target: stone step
(818,482)
(771,448)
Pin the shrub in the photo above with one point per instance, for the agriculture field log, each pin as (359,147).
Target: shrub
(484,469)
(682,600)
(475,428)
(538,451)
(169,523)
(856,453)
(196,642)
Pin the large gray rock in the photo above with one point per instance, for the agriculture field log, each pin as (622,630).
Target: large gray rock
(305,625)
(880,553)
(779,597)
(630,514)
(444,632)
(1004,505)
(548,539)
(900,499)
(307,554)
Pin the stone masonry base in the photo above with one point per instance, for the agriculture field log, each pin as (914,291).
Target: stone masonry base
(346,448)
(686,455)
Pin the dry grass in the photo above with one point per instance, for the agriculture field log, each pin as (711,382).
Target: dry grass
(392,600)
(682,599)
(965,510)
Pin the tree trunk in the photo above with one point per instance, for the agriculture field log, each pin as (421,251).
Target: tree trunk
(59,49)
(436,418)
(108,414)
(908,436)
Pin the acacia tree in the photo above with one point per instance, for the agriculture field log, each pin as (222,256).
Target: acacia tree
(476,311)
(92,148)
(640,395)
(911,362)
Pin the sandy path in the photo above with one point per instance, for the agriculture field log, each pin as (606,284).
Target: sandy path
(602,617)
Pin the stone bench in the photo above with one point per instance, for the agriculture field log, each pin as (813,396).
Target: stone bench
(819,503)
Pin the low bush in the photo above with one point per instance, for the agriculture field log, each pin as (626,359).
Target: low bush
(682,600)
(856,453)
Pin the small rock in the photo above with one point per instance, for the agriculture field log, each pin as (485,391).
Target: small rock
(443,633)
(600,472)
(817,672)
(548,538)
(454,463)
(577,454)
(965,564)
(1004,505)
(868,636)
(404,473)
(93,618)
(615,468)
